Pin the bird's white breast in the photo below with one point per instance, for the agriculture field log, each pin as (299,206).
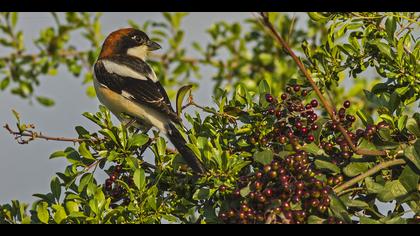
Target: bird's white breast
(118,104)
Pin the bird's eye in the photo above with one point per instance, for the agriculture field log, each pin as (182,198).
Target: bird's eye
(134,37)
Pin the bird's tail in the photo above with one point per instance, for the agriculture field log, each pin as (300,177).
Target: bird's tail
(180,144)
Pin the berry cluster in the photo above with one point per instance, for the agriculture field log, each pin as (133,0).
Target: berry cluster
(295,120)
(289,189)
(116,191)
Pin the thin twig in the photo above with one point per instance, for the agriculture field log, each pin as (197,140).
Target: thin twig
(34,135)
(325,103)
(350,190)
(368,173)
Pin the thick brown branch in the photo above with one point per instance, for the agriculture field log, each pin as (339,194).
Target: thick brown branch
(368,173)
(318,92)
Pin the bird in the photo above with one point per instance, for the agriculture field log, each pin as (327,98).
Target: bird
(127,85)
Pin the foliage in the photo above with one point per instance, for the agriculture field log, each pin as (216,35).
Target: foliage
(272,153)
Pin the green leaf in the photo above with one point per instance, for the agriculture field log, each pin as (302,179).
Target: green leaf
(55,188)
(60,214)
(402,121)
(180,96)
(316,16)
(364,118)
(367,220)
(313,149)
(412,155)
(58,154)
(72,206)
(202,194)
(45,101)
(372,186)
(16,115)
(385,134)
(323,164)
(409,179)
(84,181)
(90,91)
(355,168)
(390,26)
(383,48)
(139,179)
(338,209)
(84,151)
(264,157)
(109,134)
(413,127)
(245,191)
(4,83)
(42,212)
(138,140)
(313,219)
(391,191)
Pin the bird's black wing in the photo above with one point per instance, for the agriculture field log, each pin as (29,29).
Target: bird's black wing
(134,79)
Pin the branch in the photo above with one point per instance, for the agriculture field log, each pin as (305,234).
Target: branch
(266,22)
(35,135)
(368,173)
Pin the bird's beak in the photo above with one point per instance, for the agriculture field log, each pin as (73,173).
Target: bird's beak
(152,46)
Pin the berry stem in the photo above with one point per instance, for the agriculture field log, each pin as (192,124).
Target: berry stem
(266,22)
(368,173)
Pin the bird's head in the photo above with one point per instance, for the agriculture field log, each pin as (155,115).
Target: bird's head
(128,41)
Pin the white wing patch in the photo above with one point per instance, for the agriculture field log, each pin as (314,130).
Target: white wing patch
(122,70)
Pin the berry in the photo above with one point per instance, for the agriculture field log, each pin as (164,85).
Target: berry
(310,138)
(278,114)
(304,93)
(113,177)
(314,127)
(273,174)
(296,88)
(282,139)
(350,118)
(341,112)
(118,168)
(222,188)
(288,89)
(314,103)
(271,111)
(283,96)
(267,168)
(269,98)
(346,104)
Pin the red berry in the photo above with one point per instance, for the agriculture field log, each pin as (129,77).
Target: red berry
(282,139)
(269,98)
(346,104)
(314,126)
(222,188)
(273,174)
(296,88)
(310,138)
(113,177)
(283,96)
(278,114)
(314,103)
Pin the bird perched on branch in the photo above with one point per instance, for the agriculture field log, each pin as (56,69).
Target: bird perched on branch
(128,86)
